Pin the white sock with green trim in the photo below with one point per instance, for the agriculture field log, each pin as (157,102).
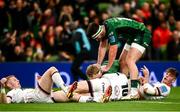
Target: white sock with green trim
(57,79)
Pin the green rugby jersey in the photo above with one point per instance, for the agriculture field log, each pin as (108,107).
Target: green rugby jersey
(124,27)
(114,68)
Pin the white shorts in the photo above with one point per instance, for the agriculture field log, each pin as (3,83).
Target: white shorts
(119,83)
(135,45)
(119,87)
(36,96)
(99,85)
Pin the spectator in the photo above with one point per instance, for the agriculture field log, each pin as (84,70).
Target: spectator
(115,8)
(173,47)
(127,11)
(4,18)
(175,6)
(161,38)
(146,12)
(19,14)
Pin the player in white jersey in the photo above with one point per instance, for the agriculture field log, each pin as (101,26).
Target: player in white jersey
(42,94)
(159,90)
(111,86)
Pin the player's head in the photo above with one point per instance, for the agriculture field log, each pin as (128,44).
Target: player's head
(170,76)
(96,31)
(12,82)
(93,71)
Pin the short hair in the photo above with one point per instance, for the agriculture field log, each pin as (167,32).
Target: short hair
(8,77)
(93,70)
(173,71)
(92,29)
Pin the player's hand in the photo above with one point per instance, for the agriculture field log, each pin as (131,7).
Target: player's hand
(145,71)
(3,81)
(141,80)
(104,68)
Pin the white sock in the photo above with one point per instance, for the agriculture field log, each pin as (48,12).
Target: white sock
(85,99)
(57,79)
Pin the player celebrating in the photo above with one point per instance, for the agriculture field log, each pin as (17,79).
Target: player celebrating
(41,94)
(138,38)
(157,90)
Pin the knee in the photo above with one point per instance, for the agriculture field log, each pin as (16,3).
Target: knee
(53,69)
(130,60)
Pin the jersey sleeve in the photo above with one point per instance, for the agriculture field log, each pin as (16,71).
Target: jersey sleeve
(163,90)
(15,95)
(112,35)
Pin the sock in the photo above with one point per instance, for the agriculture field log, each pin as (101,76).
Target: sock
(3,90)
(86,99)
(134,83)
(57,79)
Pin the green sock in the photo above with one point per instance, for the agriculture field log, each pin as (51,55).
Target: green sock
(134,83)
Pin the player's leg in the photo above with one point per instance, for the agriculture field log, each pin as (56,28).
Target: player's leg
(59,96)
(51,75)
(122,60)
(135,53)
(77,87)
(107,94)
(91,86)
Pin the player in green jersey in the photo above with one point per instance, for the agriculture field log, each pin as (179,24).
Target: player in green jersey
(138,38)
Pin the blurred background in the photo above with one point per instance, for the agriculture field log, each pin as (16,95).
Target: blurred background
(39,31)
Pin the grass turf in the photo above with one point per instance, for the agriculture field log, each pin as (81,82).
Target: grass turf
(172,103)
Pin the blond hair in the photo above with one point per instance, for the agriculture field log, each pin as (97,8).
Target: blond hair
(8,77)
(92,70)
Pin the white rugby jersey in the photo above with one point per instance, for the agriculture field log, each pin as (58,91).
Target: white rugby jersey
(119,83)
(162,89)
(21,96)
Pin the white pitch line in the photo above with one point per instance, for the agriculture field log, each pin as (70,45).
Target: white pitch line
(157,102)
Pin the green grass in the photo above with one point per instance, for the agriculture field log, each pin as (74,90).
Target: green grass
(172,103)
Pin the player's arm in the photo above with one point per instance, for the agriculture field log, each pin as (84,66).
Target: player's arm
(102,51)
(150,90)
(3,96)
(146,75)
(112,55)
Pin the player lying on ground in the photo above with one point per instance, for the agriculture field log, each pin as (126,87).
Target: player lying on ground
(110,85)
(146,90)
(43,93)
(157,90)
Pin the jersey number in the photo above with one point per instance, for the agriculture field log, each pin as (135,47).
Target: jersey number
(124,90)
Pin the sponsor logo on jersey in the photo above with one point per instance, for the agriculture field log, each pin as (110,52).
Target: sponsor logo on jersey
(146,44)
(112,39)
(163,89)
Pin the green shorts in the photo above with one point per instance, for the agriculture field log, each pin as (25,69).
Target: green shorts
(141,38)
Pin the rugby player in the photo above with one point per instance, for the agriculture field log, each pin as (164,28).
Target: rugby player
(42,94)
(101,87)
(158,90)
(138,38)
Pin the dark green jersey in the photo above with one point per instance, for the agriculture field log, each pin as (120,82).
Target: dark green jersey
(125,27)
(114,68)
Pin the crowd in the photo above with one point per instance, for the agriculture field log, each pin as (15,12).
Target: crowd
(42,30)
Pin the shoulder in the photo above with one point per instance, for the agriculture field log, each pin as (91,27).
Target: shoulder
(14,91)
